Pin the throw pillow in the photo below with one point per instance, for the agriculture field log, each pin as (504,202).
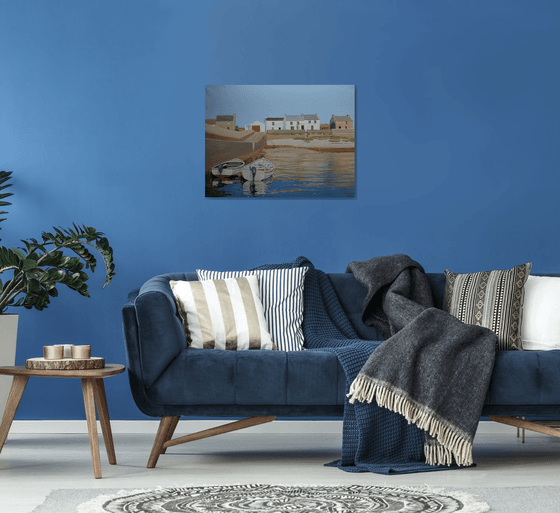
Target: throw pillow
(493,299)
(222,314)
(540,330)
(281,292)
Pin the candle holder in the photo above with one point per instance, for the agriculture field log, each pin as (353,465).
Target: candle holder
(81,352)
(53,352)
(67,350)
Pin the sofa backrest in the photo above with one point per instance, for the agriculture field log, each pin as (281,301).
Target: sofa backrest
(352,294)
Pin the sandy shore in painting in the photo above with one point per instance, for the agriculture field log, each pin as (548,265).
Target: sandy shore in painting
(318,141)
(288,153)
(311,143)
(315,145)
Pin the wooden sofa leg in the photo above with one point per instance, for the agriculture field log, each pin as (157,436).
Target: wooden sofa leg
(165,425)
(526,424)
(170,432)
(226,428)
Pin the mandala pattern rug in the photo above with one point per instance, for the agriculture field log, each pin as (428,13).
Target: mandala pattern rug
(284,499)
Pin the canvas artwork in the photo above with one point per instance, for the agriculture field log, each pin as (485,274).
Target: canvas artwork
(280,141)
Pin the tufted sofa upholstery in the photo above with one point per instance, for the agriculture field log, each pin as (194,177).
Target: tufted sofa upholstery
(168,379)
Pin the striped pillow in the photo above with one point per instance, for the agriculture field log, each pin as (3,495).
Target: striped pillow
(222,314)
(281,292)
(493,299)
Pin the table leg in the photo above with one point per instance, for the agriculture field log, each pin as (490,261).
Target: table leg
(18,386)
(103,411)
(88,387)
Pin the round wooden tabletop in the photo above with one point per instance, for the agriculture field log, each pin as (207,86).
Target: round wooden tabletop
(110,369)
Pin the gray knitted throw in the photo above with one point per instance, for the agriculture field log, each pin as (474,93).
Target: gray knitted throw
(432,369)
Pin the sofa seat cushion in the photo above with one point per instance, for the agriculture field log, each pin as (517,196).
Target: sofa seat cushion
(305,378)
(210,377)
(525,377)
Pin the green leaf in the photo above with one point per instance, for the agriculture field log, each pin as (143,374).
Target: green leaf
(9,259)
(4,179)
(33,286)
(18,253)
(29,264)
(40,265)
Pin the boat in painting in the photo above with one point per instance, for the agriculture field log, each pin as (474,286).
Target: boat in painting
(224,181)
(255,188)
(228,168)
(258,171)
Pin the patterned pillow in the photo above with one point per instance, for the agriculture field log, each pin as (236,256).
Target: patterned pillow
(493,299)
(281,292)
(222,314)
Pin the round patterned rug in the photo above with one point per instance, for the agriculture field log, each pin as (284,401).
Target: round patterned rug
(260,498)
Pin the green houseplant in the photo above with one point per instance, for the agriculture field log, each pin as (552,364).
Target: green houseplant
(43,264)
(34,271)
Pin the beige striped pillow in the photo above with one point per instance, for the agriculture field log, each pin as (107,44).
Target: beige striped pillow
(281,293)
(222,314)
(493,299)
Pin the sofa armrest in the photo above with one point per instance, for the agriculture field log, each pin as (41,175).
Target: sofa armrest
(130,331)
(132,349)
(159,329)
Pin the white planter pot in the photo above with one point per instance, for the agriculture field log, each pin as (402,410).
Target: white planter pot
(8,340)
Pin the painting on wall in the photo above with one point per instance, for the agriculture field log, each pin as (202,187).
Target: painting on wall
(280,141)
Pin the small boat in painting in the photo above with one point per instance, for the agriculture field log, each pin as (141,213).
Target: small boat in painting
(255,188)
(258,170)
(228,168)
(224,181)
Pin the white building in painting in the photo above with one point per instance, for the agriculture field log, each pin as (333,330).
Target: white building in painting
(274,123)
(311,121)
(256,126)
(302,122)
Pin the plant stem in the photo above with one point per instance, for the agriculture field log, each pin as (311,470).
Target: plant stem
(8,294)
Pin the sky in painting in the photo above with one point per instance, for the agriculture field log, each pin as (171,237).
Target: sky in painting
(255,102)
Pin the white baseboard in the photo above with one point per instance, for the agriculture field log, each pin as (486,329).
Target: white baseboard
(192,426)
(186,426)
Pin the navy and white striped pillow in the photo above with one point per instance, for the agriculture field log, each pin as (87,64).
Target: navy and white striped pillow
(281,293)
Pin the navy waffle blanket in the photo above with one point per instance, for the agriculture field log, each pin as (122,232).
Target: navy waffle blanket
(374,439)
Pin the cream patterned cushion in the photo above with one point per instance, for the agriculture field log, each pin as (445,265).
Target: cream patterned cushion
(222,314)
(281,292)
(493,299)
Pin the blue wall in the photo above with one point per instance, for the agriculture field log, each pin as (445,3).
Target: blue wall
(101,112)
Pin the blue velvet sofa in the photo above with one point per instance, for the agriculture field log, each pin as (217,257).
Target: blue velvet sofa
(169,380)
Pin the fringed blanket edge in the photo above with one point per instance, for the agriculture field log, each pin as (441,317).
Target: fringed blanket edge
(452,442)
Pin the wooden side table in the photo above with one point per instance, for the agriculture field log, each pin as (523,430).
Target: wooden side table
(94,394)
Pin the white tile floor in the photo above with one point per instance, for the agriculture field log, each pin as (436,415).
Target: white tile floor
(31,465)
